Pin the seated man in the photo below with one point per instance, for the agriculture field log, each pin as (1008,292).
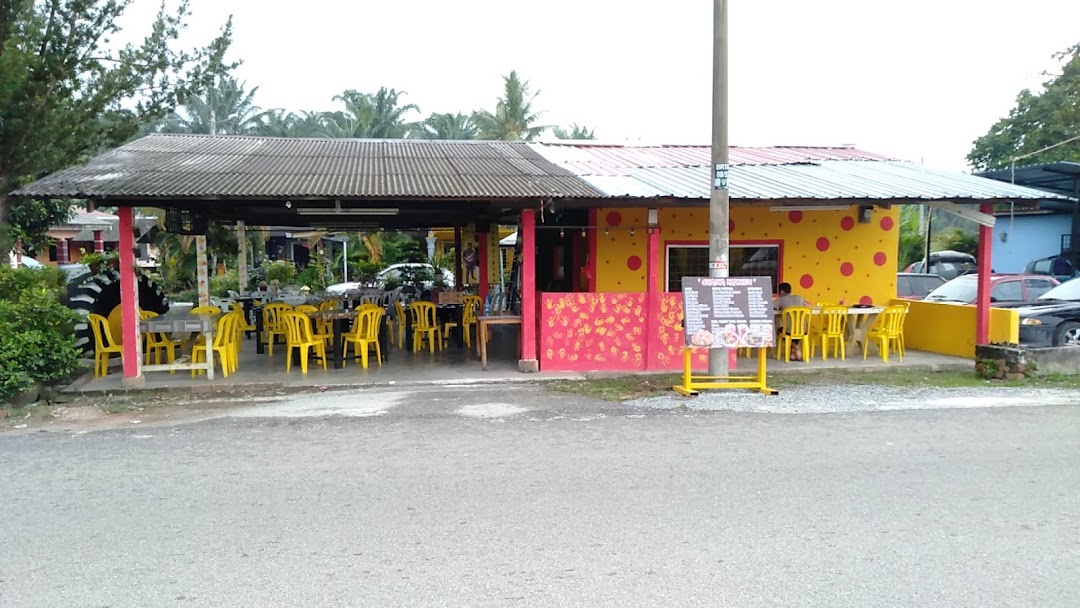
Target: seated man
(787,299)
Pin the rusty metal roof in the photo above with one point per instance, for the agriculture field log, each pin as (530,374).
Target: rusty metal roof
(773,174)
(171,166)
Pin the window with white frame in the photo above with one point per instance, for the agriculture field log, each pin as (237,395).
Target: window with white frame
(744,260)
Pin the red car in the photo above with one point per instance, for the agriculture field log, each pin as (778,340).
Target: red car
(1003,288)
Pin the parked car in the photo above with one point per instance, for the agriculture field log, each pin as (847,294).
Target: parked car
(1053,319)
(949,264)
(401,273)
(1057,266)
(1003,288)
(915,286)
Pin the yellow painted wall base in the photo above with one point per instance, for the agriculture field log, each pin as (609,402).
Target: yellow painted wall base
(949,329)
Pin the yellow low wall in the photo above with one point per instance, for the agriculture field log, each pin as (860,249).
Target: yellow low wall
(949,329)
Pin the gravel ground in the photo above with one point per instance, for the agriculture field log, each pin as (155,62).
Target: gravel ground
(861,398)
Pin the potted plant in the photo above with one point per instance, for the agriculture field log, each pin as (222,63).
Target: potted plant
(99,262)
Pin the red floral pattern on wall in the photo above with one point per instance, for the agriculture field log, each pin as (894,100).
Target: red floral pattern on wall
(592,331)
(666,346)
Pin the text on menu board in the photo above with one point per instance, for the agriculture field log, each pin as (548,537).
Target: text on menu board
(728,312)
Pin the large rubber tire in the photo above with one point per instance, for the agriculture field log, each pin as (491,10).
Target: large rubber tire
(100,294)
(1067,334)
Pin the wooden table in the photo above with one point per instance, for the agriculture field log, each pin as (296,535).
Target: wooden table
(481,333)
(183,322)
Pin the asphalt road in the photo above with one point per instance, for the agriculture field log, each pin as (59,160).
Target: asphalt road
(508,496)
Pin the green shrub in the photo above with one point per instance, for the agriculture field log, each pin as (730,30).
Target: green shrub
(281,271)
(220,284)
(37,338)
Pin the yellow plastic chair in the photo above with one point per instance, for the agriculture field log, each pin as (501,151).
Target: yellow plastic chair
(244,323)
(300,337)
(399,319)
(104,345)
(365,335)
(306,308)
(424,325)
(206,310)
(888,332)
(159,345)
(223,346)
(830,330)
(272,313)
(796,326)
(468,317)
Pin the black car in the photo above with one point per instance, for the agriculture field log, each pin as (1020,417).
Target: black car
(1053,319)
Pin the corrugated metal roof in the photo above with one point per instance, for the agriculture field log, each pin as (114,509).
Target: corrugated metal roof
(772,174)
(201,166)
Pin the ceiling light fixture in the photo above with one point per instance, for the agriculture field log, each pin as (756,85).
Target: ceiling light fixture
(338,210)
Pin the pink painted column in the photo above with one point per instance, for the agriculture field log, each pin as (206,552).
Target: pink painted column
(528,362)
(99,241)
(594,237)
(129,296)
(652,286)
(62,251)
(482,264)
(982,302)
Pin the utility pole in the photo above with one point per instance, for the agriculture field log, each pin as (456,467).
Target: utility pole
(719,199)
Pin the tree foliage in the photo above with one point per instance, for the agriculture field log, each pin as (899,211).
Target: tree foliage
(66,94)
(1039,120)
(514,118)
(225,108)
(447,126)
(379,115)
(576,132)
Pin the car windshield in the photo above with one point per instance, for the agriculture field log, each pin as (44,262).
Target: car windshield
(1065,291)
(955,291)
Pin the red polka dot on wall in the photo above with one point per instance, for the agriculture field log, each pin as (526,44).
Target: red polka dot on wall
(823,244)
(847,269)
(731,226)
(880,258)
(847,223)
(806,281)
(794,216)
(886,223)
(614,218)
(633,262)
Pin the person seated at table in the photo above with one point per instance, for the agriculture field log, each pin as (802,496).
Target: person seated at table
(786,299)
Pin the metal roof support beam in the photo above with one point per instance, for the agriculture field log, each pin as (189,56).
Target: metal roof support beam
(981,217)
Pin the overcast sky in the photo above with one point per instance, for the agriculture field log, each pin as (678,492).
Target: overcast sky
(918,80)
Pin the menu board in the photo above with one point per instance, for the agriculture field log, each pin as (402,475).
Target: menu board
(728,312)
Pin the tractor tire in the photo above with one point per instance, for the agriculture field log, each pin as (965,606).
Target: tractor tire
(100,294)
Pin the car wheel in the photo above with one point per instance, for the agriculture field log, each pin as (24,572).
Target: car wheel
(1067,334)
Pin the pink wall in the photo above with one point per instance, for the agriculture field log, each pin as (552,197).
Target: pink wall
(582,332)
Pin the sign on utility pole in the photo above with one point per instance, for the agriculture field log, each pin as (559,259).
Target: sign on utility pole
(719,199)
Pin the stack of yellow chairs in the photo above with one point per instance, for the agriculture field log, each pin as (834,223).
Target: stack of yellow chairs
(424,325)
(300,337)
(888,332)
(272,325)
(830,330)
(104,345)
(796,326)
(245,323)
(468,317)
(397,323)
(365,334)
(224,345)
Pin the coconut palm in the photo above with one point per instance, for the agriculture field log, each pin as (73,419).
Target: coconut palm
(446,126)
(514,118)
(576,132)
(226,108)
(279,123)
(379,115)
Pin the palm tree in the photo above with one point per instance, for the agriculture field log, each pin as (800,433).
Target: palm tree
(279,123)
(447,126)
(226,108)
(367,115)
(514,118)
(575,132)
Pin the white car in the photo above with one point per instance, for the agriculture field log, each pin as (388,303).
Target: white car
(403,271)
(397,272)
